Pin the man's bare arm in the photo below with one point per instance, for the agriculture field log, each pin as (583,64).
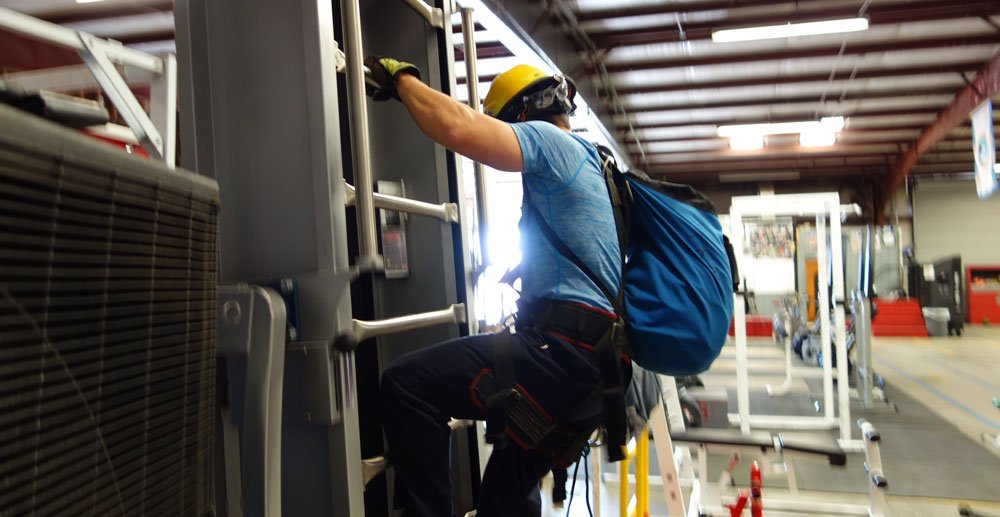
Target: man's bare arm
(459,127)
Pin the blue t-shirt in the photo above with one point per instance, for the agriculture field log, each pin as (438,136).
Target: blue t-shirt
(562,173)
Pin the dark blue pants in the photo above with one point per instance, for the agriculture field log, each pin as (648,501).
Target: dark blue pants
(423,389)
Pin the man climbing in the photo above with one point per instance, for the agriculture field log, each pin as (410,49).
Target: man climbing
(544,389)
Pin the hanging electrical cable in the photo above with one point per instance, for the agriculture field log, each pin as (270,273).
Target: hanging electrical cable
(567,18)
(833,71)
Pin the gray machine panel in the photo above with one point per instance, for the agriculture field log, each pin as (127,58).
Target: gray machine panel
(260,114)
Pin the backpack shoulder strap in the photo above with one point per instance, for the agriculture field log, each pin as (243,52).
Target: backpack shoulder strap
(612,178)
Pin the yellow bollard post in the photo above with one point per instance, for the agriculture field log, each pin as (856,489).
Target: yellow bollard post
(642,475)
(623,498)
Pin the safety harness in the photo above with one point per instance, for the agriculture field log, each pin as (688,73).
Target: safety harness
(511,413)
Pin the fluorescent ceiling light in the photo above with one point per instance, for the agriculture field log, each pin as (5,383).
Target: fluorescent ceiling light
(817,138)
(744,177)
(790,30)
(746,142)
(783,128)
(88,1)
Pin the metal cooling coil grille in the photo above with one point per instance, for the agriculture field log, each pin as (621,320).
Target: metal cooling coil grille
(107,332)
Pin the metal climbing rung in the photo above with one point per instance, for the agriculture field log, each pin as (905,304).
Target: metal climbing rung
(447,212)
(369,329)
(433,15)
(372,467)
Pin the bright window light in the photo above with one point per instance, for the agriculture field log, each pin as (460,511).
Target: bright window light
(746,142)
(791,30)
(817,138)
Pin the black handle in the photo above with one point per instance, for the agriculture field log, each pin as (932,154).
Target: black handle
(346,342)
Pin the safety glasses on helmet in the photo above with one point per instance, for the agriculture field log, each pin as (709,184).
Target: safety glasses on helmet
(547,97)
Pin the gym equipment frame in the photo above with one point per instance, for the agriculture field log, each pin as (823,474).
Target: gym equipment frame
(264,117)
(776,452)
(822,206)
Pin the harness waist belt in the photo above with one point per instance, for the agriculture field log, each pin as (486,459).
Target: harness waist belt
(570,319)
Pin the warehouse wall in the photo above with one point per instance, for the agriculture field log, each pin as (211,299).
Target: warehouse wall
(949,219)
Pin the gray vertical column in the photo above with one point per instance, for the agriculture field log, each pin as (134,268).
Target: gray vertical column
(259,113)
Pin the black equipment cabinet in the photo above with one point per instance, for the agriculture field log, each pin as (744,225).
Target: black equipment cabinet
(944,290)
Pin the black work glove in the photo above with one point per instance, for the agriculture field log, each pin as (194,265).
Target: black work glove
(380,80)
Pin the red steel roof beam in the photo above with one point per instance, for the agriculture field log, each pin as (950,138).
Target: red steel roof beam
(99,11)
(20,53)
(982,87)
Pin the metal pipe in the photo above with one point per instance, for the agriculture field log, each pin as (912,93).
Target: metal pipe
(447,212)
(368,329)
(368,259)
(95,57)
(69,38)
(472,82)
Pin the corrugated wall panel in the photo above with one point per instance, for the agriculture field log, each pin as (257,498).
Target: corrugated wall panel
(949,219)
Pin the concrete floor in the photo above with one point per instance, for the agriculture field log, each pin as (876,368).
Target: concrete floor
(954,377)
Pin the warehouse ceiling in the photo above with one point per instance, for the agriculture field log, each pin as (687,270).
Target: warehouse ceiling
(675,86)
(666,87)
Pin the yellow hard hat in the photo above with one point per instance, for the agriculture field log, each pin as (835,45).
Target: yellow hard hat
(505,100)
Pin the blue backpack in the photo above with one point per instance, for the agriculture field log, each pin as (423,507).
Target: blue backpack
(679,272)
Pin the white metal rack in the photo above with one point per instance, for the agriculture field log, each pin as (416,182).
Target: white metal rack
(822,206)
(156,131)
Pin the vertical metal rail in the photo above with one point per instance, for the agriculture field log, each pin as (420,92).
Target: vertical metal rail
(368,258)
(472,82)
(863,340)
(822,259)
(839,332)
(740,329)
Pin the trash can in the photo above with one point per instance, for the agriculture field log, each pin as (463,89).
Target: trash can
(936,319)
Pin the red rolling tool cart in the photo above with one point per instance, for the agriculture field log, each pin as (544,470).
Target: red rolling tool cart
(982,287)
